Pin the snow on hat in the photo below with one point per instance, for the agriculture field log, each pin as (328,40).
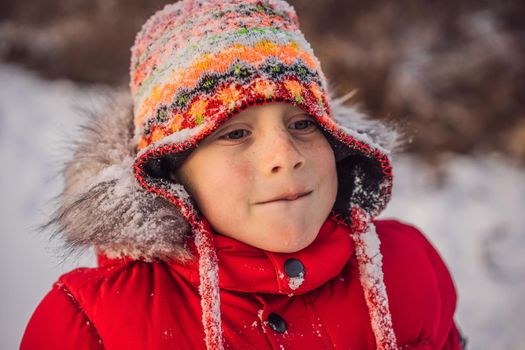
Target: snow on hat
(197,63)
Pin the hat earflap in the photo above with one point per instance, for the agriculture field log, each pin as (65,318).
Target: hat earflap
(370,262)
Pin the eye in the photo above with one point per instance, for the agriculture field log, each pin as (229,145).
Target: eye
(303,124)
(235,134)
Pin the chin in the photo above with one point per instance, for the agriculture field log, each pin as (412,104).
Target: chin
(291,241)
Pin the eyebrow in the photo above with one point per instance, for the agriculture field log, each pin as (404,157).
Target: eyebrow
(300,112)
(288,114)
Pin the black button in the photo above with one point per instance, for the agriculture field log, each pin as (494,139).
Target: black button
(276,323)
(293,268)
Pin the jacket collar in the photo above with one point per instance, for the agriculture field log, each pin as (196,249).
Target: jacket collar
(244,268)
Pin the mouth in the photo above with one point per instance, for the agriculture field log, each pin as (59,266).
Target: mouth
(288,197)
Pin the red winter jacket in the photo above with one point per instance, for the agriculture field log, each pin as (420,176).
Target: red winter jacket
(132,304)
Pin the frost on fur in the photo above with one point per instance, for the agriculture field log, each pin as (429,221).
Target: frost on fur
(103,206)
(358,124)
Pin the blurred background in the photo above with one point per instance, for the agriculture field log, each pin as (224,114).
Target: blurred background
(450,74)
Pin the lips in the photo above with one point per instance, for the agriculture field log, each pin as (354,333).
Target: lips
(287,197)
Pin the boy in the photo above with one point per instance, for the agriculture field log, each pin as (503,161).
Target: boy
(252,225)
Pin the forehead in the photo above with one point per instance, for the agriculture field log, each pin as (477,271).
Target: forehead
(274,109)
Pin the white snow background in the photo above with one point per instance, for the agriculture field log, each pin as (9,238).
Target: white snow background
(474,214)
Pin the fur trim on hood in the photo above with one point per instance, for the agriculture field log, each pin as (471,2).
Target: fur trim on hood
(102,204)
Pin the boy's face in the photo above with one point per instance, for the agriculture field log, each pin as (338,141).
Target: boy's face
(266,177)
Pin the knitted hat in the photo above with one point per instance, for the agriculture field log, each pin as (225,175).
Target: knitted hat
(194,65)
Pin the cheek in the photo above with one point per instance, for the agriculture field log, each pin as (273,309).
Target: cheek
(231,175)
(240,169)
(225,195)
(324,162)
(324,158)
(223,185)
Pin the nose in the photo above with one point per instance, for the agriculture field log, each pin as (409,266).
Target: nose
(280,153)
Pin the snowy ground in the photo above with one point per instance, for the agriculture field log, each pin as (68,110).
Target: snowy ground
(476,220)
(474,215)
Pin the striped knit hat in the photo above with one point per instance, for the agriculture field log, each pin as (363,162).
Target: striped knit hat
(197,63)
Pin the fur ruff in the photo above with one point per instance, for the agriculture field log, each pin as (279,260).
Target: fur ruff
(101,204)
